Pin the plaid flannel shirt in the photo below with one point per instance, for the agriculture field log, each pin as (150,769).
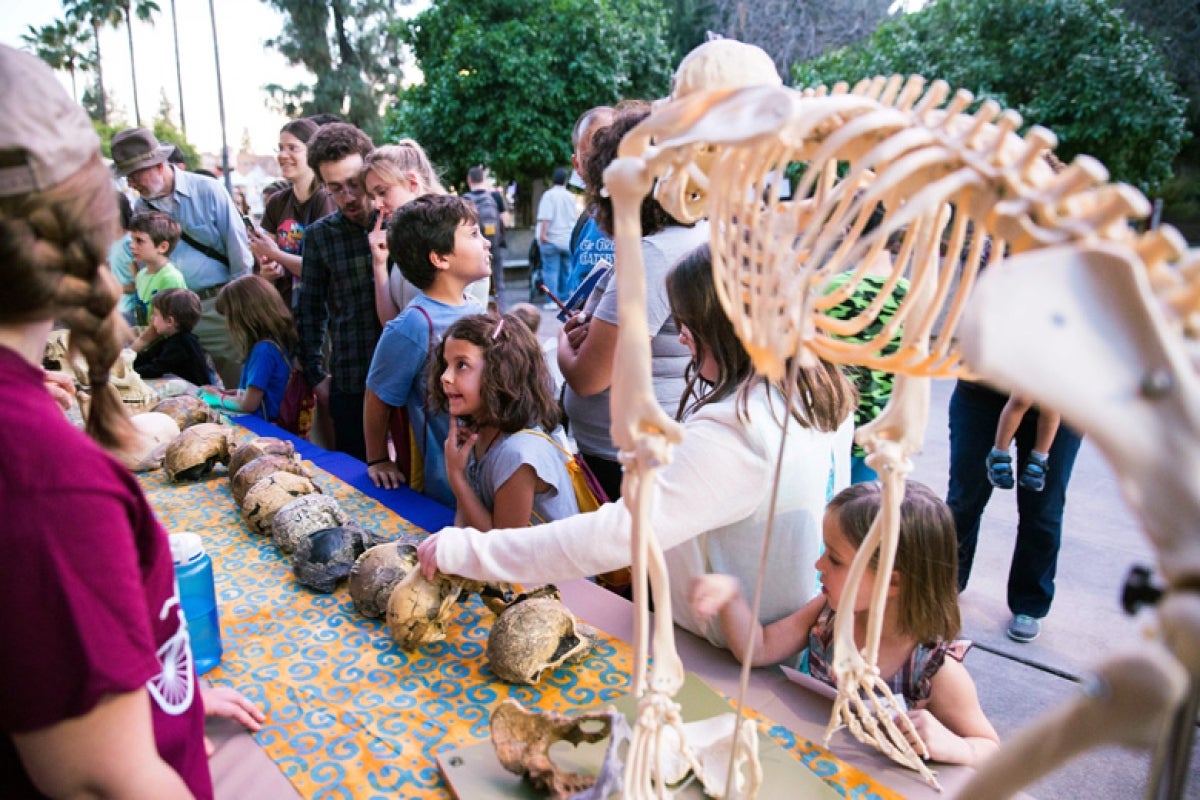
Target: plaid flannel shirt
(337,290)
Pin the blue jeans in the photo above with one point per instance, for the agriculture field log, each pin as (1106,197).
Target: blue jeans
(974,412)
(556,267)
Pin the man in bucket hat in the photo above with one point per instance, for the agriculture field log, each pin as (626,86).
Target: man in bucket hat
(214,247)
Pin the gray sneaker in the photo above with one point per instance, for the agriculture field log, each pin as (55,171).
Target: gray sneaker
(1024,628)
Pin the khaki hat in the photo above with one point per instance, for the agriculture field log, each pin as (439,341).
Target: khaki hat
(137,148)
(38,118)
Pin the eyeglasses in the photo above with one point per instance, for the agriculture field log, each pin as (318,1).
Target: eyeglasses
(290,148)
(336,189)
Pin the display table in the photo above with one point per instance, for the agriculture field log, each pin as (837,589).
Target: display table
(349,714)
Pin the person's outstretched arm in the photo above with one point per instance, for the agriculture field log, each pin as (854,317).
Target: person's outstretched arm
(721,596)
(952,724)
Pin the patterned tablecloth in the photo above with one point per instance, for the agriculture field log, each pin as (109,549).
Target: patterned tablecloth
(349,714)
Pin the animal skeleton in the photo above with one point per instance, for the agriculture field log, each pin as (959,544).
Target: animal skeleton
(958,191)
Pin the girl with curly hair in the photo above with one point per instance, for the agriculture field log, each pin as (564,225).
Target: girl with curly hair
(489,374)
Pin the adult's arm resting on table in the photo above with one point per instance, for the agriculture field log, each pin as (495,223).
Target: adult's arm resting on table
(108,752)
(714,479)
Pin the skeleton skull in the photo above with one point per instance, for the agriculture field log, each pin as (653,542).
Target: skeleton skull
(418,608)
(271,494)
(376,573)
(302,516)
(533,635)
(154,432)
(260,468)
(325,557)
(192,454)
(523,739)
(243,454)
(185,410)
(134,391)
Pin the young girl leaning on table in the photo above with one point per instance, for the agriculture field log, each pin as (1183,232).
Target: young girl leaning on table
(918,654)
(97,692)
(504,468)
(260,323)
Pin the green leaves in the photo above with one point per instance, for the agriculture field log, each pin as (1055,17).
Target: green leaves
(504,80)
(1077,67)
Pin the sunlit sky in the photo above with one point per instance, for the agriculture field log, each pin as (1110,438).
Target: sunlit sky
(247,64)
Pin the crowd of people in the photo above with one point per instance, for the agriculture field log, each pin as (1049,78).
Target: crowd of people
(371,282)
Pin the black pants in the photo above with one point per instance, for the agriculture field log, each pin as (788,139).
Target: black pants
(346,409)
(607,472)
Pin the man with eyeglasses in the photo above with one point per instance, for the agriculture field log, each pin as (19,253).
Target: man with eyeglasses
(214,248)
(337,286)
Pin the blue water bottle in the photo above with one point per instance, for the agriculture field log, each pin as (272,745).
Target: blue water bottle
(198,596)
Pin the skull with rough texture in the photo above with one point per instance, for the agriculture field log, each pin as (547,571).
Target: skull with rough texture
(244,453)
(534,635)
(418,608)
(192,454)
(260,468)
(377,572)
(323,558)
(302,516)
(185,410)
(523,740)
(269,495)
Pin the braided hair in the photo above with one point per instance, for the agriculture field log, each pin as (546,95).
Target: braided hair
(53,249)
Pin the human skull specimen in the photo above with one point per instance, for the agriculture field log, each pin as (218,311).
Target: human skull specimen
(244,453)
(377,572)
(196,450)
(154,432)
(323,558)
(302,516)
(523,739)
(533,635)
(260,468)
(418,608)
(185,410)
(135,392)
(269,495)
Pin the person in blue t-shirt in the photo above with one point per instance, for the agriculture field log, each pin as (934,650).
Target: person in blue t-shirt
(436,242)
(260,324)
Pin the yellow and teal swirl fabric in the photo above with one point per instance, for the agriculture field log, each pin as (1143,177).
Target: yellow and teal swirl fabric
(350,714)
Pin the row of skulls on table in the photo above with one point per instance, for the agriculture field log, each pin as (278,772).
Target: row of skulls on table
(278,497)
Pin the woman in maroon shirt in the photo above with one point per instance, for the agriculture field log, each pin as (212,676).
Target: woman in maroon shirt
(98,696)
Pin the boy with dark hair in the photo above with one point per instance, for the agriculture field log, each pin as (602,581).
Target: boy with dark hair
(168,346)
(436,242)
(337,286)
(152,238)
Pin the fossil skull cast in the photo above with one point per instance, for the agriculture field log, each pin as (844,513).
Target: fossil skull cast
(418,608)
(302,516)
(185,410)
(535,634)
(376,573)
(260,468)
(269,495)
(323,558)
(523,740)
(244,453)
(154,432)
(192,454)
(129,384)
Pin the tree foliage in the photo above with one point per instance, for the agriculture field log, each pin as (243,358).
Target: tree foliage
(353,49)
(506,79)
(63,44)
(1176,25)
(789,30)
(1077,67)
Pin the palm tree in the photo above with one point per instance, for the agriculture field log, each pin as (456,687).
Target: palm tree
(178,71)
(96,13)
(145,11)
(62,46)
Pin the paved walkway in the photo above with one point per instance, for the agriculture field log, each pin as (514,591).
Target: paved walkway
(1017,682)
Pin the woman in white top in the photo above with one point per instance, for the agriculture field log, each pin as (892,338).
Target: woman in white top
(711,502)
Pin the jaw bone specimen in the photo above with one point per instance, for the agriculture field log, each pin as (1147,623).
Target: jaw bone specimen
(957,192)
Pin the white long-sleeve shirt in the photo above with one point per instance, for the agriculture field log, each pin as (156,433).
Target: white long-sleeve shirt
(709,513)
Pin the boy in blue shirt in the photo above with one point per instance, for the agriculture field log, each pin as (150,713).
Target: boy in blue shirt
(436,242)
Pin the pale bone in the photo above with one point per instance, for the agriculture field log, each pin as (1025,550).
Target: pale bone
(1135,318)
(713,744)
